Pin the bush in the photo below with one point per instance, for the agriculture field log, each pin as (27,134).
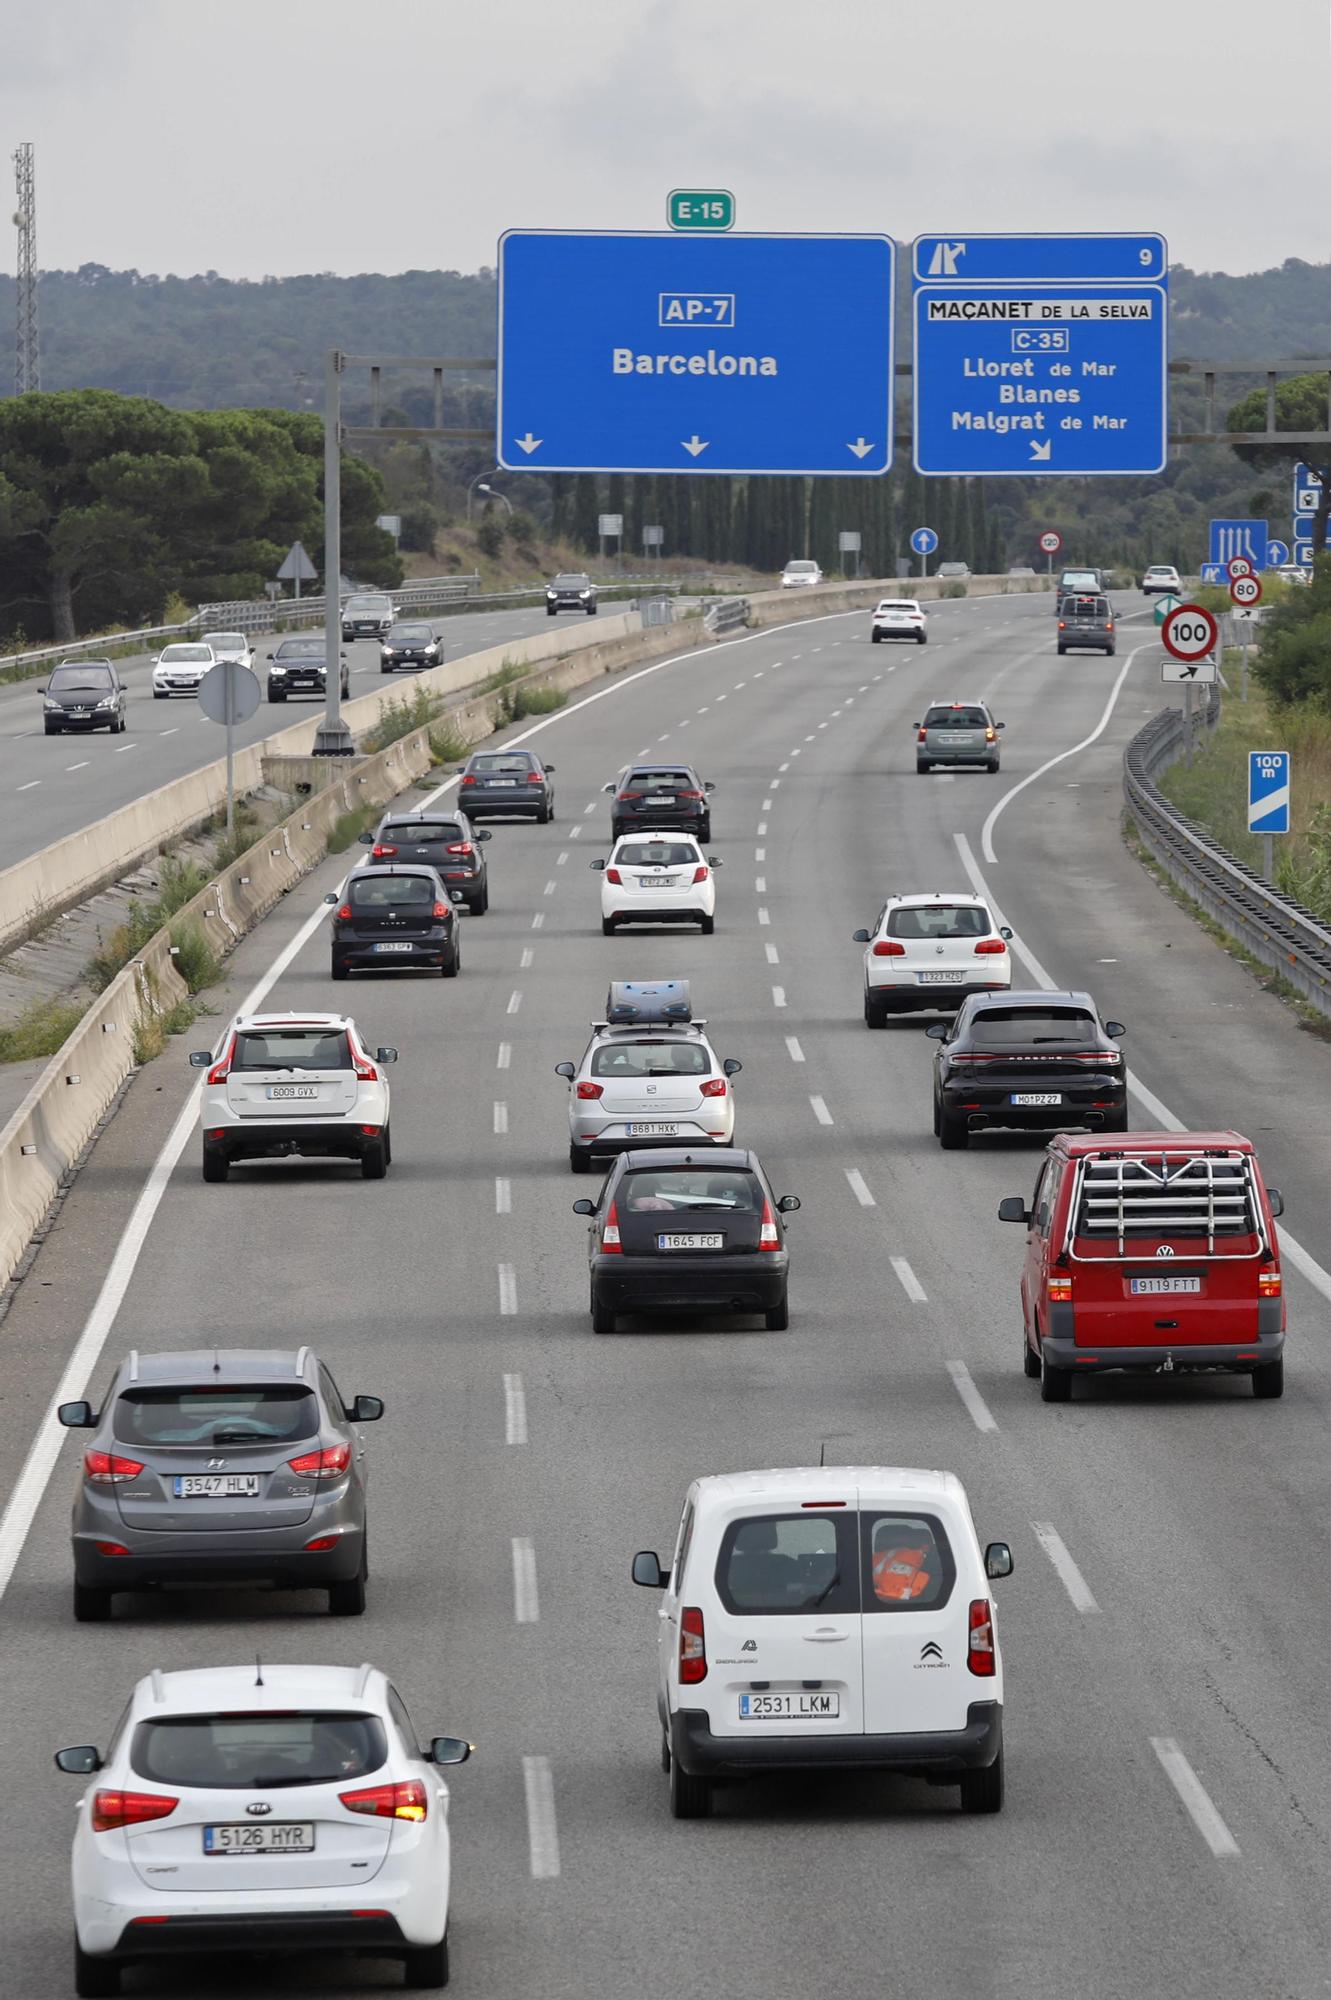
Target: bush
(196,961)
(399,717)
(490,538)
(40,1030)
(956,588)
(1294,664)
(348,827)
(515,703)
(447,746)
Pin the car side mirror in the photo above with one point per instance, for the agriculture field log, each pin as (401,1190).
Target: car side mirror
(788,1203)
(584,1207)
(732,1065)
(1012,1208)
(1273,1195)
(153,659)
(937,1031)
(859,937)
(915,725)
(268,656)
(648,1572)
(715,861)
(596,864)
(1000,725)
(385,1055)
(41,686)
(366,1409)
(481,833)
(607,788)
(1116,1029)
(457,895)
(366,839)
(330,897)
(450,1749)
(549,770)
(1003,931)
(80,1417)
(998,1559)
(200,1058)
(708,785)
(459,770)
(80,1761)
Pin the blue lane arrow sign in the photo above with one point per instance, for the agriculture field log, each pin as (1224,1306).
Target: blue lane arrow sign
(1276,552)
(924,541)
(1268,791)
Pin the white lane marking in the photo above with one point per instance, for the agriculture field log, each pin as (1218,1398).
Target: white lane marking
(1196,1799)
(773,955)
(575,833)
(703,710)
(30,786)
(835,713)
(501,1116)
(123,747)
(986,831)
(767,805)
(170,732)
(793,1049)
(503,1195)
(785,766)
(822,725)
(1047,1535)
(561,857)
(796,752)
(859,1187)
(778,996)
(587,811)
(79,767)
(542,1828)
(970,1396)
(505,1056)
(739,685)
(508,1289)
(526,1603)
(528,958)
(763,916)
(811,739)
(664,737)
(910,1284)
(538,921)
(514,1000)
(550,887)
(762,828)
(685,723)
(721,697)
(760,885)
(515,1410)
(760,854)
(774,784)
(820,1110)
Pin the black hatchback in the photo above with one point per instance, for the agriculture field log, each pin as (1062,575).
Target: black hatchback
(673,1232)
(1038,1062)
(512,782)
(442,841)
(410,645)
(83,694)
(389,918)
(658,796)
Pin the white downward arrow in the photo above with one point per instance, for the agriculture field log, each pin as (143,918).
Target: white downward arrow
(695,444)
(528,443)
(860,448)
(1041,450)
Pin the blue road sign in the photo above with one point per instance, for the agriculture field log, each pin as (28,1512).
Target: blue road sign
(1268,791)
(1002,260)
(1307,490)
(1276,552)
(924,541)
(659,352)
(1303,555)
(1239,538)
(1213,573)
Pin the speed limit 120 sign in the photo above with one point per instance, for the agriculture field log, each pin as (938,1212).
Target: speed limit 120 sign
(1051,541)
(1190,633)
(1246,590)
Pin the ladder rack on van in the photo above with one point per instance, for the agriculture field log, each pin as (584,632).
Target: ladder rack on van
(1128,1196)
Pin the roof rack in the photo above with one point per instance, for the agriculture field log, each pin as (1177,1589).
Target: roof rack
(634,1003)
(1158,1193)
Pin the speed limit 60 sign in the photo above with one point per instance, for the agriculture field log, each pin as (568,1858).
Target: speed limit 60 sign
(1236,567)
(1190,632)
(1246,590)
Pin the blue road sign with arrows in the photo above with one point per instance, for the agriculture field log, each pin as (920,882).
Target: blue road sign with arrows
(660,352)
(1276,553)
(924,541)
(1268,791)
(1239,538)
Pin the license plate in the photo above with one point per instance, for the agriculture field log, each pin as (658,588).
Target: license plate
(392,947)
(939,978)
(1023,1097)
(496,783)
(660,799)
(715,1241)
(1153,1285)
(292,1090)
(217,1486)
(656,881)
(287,1837)
(652,1131)
(808,1705)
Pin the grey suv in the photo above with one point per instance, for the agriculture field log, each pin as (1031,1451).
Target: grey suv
(224,1465)
(1086,623)
(956,732)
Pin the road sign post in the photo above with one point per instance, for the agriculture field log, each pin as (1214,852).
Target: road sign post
(924,541)
(848,544)
(1269,778)
(1051,542)
(229,693)
(297,568)
(1190,635)
(1245,591)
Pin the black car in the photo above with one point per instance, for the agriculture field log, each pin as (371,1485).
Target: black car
(570,592)
(675,1233)
(368,615)
(445,842)
(299,666)
(1086,624)
(1039,1062)
(388,918)
(657,796)
(511,782)
(86,694)
(410,645)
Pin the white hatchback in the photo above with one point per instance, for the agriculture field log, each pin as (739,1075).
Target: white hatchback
(648,1077)
(1162,578)
(179,669)
(658,878)
(260,1808)
(800,574)
(828,1618)
(930,951)
(899,618)
(230,646)
(294,1083)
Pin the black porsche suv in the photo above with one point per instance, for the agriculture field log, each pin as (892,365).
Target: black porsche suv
(1038,1062)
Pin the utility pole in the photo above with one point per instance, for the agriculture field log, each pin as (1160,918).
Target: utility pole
(27,362)
(333,738)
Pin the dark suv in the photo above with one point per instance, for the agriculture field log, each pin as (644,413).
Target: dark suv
(83,694)
(445,842)
(395,918)
(511,782)
(658,796)
(1086,624)
(570,592)
(299,666)
(1040,1062)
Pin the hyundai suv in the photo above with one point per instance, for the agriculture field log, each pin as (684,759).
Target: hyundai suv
(572,591)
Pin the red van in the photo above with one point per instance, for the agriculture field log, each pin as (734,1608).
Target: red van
(1153,1251)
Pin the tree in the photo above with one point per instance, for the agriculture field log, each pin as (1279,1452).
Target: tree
(1294,662)
(1301,405)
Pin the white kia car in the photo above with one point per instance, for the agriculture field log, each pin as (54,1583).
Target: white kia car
(261,1808)
(800,575)
(294,1083)
(658,878)
(178,669)
(899,618)
(828,1619)
(648,1077)
(930,951)
(230,646)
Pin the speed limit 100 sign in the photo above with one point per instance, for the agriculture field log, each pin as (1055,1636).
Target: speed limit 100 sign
(1190,633)
(1236,567)
(1246,590)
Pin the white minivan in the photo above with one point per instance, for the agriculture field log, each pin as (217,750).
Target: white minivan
(832,1618)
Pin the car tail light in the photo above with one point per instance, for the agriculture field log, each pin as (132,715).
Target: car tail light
(381,848)
(365,1069)
(1268,1284)
(889,948)
(1062,624)
(371,1131)
(586,1089)
(459,847)
(1109,625)
(112,1549)
(624,798)
(322,1542)
(440,909)
(923,736)
(989,947)
(715,1086)
(692,1646)
(610,1233)
(1060,1291)
(688,795)
(613,875)
(113,1809)
(107,1468)
(991,736)
(980,1647)
(700,874)
(406,1800)
(344,914)
(469,778)
(330,1463)
(768,1239)
(221,1070)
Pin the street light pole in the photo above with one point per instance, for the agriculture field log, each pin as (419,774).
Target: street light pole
(333,738)
(493,493)
(473,483)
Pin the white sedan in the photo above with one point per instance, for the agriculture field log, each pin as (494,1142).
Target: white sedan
(230,646)
(179,669)
(658,878)
(899,618)
(930,951)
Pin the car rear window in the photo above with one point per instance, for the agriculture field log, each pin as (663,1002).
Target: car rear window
(292,1048)
(271,1414)
(258,1752)
(390,892)
(940,920)
(690,1190)
(516,760)
(659,781)
(1085,607)
(1147,1195)
(421,830)
(908,1562)
(775,1565)
(957,716)
(656,854)
(651,1059)
(1020,1027)
(898,604)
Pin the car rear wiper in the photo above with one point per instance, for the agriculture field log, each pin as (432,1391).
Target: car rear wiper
(241,1437)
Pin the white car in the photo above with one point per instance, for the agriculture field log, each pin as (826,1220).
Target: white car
(831,1618)
(800,575)
(931,950)
(178,669)
(1292,573)
(658,878)
(1159,578)
(261,1808)
(230,646)
(648,1077)
(899,618)
(294,1083)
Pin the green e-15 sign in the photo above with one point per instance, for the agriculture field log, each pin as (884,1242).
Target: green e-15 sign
(700,208)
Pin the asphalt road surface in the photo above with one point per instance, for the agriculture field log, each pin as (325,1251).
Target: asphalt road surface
(1168,1765)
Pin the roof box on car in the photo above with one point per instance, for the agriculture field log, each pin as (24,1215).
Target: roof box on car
(634,1002)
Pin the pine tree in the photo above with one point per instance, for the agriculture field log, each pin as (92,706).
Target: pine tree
(977,553)
(586,507)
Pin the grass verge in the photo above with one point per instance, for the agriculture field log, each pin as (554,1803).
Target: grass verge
(40,1030)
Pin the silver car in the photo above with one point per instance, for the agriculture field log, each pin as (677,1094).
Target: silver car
(224,1465)
(956,732)
(648,1077)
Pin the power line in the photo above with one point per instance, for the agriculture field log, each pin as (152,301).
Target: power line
(27,361)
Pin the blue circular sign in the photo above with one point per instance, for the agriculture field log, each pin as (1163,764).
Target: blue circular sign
(924,541)
(1276,552)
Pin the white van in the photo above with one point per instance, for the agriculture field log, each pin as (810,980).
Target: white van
(829,1618)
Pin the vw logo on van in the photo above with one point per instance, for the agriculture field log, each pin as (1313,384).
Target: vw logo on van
(1165,1250)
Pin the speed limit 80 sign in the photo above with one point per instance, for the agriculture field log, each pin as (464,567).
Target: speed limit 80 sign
(1246,590)
(1190,632)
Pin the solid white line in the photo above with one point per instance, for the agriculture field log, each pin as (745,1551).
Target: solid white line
(542,1831)
(986,832)
(773,955)
(505,1056)
(528,958)
(859,1187)
(793,1049)
(778,996)
(526,1603)
(820,1110)
(1195,1798)
(501,1117)
(503,1195)
(1070,1576)
(508,1289)
(514,1002)
(515,1410)
(910,1284)
(763,917)
(970,1396)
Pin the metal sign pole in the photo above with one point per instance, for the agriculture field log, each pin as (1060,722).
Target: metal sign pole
(1269,857)
(1187,725)
(1244,695)
(333,738)
(231,693)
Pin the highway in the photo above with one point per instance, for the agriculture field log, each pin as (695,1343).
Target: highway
(1168,1806)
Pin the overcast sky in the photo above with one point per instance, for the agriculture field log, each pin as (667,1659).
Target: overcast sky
(273,136)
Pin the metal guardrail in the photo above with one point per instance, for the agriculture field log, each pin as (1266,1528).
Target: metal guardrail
(1278,932)
(727,614)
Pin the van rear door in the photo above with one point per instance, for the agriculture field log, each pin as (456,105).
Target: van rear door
(916,1620)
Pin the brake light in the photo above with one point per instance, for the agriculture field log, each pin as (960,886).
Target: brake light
(1062,624)
(460,847)
(406,1800)
(991,736)
(380,849)
(688,795)
(469,778)
(715,1086)
(365,1069)
(344,914)
(987,946)
(1268,1284)
(622,798)
(107,1468)
(328,1464)
(112,1549)
(439,909)
(221,1070)
(1109,625)
(980,1648)
(889,948)
(700,874)
(586,1089)
(692,1646)
(613,875)
(768,1238)
(1060,1291)
(610,1233)
(923,736)
(322,1542)
(113,1809)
